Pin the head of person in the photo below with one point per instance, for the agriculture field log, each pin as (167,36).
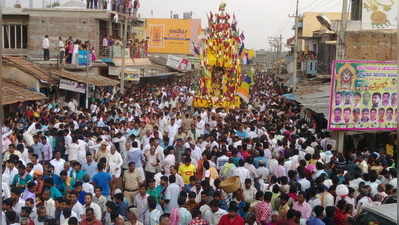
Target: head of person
(394,99)
(365,114)
(132,166)
(389,114)
(268,196)
(338,98)
(337,114)
(90,216)
(347,115)
(164,219)
(152,203)
(248,183)
(301,197)
(357,98)
(366,98)
(385,98)
(88,198)
(356,114)
(381,113)
(373,114)
(21,170)
(375,99)
(97,191)
(318,211)
(232,210)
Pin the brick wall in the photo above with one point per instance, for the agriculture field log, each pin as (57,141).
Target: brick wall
(77,24)
(371,45)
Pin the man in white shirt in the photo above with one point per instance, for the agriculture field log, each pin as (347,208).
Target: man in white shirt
(171,194)
(212,213)
(61,50)
(46,48)
(90,204)
(57,163)
(242,172)
(305,183)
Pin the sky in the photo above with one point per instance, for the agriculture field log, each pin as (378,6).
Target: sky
(259,19)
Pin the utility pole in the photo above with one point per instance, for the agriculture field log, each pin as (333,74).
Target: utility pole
(340,54)
(2,5)
(124,44)
(340,51)
(296,47)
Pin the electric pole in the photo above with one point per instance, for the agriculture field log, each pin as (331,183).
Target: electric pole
(2,5)
(340,54)
(296,47)
(276,49)
(340,51)
(124,43)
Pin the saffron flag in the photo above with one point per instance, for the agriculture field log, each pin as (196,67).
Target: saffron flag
(243,91)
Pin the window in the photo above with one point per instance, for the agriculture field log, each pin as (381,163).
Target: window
(15,36)
(356,9)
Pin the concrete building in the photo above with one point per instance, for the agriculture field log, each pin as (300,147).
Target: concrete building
(24,28)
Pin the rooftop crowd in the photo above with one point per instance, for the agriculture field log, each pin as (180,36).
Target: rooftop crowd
(149,158)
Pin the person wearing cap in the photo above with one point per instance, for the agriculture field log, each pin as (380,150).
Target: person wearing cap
(232,217)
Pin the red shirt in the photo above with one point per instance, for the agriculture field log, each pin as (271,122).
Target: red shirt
(341,218)
(94,222)
(226,220)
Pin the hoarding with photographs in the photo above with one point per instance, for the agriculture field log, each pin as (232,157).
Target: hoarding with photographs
(364,95)
(72,86)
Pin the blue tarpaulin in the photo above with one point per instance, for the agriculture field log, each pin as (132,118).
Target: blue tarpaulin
(290,96)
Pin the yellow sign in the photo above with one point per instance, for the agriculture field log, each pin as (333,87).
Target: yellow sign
(172,36)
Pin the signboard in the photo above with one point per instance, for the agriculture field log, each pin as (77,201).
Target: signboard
(178,63)
(363,95)
(132,77)
(116,71)
(172,36)
(379,14)
(72,86)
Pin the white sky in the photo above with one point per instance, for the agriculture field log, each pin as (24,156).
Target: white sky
(259,19)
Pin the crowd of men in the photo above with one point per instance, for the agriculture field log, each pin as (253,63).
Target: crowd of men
(149,158)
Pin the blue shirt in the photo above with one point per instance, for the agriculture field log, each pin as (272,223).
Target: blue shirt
(37,149)
(314,221)
(91,169)
(136,156)
(102,179)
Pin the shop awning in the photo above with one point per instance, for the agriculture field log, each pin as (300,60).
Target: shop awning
(30,68)
(14,93)
(96,80)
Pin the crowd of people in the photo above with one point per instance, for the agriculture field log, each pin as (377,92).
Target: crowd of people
(137,48)
(68,50)
(149,158)
(123,6)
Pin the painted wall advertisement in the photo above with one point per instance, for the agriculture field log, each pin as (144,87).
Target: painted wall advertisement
(172,36)
(364,95)
(379,14)
(72,86)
